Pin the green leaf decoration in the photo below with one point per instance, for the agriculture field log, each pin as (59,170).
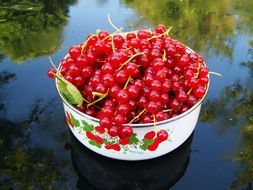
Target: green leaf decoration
(133,139)
(146,143)
(71,93)
(94,143)
(74,121)
(105,141)
(87,127)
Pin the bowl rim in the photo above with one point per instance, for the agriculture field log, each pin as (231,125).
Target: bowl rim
(138,125)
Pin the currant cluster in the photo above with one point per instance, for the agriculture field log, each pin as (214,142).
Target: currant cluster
(136,77)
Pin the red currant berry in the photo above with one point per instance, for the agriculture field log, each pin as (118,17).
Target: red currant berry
(203,71)
(113,131)
(122,96)
(123,109)
(114,91)
(125,132)
(199,92)
(133,91)
(157,64)
(51,73)
(79,80)
(183,61)
(74,52)
(103,34)
(108,80)
(191,100)
(152,107)
(130,36)
(174,104)
(119,119)
(160,29)
(105,122)
(182,96)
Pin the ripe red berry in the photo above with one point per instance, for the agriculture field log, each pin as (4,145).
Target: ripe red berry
(138,71)
(133,91)
(160,29)
(125,132)
(183,61)
(113,131)
(105,122)
(152,107)
(203,71)
(51,73)
(199,92)
(174,104)
(74,52)
(123,109)
(122,96)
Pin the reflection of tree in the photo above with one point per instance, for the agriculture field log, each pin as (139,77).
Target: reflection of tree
(204,25)
(246,16)
(29,29)
(23,166)
(235,108)
(5,77)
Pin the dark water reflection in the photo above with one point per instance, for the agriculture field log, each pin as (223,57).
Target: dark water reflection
(95,171)
(34,138)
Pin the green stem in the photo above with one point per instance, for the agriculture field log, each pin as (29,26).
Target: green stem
(168,110)
(215,73)
(113,47)
(164,55)
(86,42)
(189,91)
(101,97)
(137,117)
(127,61)
(128,80)
(160,35)
(110,21)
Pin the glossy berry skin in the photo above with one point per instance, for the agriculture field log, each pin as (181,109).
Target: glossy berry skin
(143,71)
(105,122)
(199,92)
(74,52)
(125,132)
(122,96)
(152,107)
(160,29)
(113,131)
(51,73)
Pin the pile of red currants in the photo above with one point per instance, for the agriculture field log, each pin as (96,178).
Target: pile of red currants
(134,77)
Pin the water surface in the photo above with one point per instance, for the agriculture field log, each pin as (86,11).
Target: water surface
(37,150)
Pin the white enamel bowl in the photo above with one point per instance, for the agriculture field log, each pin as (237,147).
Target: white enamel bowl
(179,128)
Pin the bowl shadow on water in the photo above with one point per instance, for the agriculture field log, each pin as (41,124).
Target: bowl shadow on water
(97,172)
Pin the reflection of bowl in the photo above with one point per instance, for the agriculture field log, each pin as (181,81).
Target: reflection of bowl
(137,147)
(98,172)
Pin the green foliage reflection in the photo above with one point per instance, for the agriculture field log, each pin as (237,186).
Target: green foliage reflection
(235,109)
(203,25)
(29,29)
(24,166)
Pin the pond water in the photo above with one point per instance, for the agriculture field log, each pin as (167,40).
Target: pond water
(37,149)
